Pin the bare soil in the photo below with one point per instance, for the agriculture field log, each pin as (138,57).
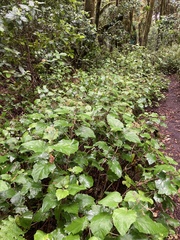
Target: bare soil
(170,108)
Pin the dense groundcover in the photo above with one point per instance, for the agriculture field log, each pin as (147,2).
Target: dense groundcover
(86,162)
(83,160)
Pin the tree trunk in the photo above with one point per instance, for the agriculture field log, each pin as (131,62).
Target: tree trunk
(144,26)
(98,8)
(89,7)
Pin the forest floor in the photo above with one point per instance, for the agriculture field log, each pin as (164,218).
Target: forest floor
(170,136)
(170,108)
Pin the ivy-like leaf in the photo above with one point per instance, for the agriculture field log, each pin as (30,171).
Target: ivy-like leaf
(86,180)
(38,146)
(40,235)
(56,234)
(42,170)
(50,133)
(115,124)
(71,208)
(61,193)
(72,237)
(123,218)
(151,158)
(77,225)
(115,167)
(3,159)
(145,224)
(111,200)
(163,168)
(67,147)
(101,225)
(133,196)
(10,231)
(84,200)
(85,132)
(4,186)
(132,136)
(165,187)
(49,202)
(74,188)
(94,238)
(76,169)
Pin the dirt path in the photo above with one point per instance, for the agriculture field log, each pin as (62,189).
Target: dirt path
(170,108)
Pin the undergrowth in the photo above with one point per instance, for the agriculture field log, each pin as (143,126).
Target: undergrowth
(86,162)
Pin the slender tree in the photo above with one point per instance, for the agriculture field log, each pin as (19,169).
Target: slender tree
(89,6)
(145,24)
(98,10)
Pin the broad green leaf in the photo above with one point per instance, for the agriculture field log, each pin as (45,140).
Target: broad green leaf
(71,208)
(123,219)
(111,200)
(61,193)
(165,186)
(103,145)
(145,224)
(132,136)
(114,123)
(62,110)
(163,168)
(49,202)
(115,167)
(40,235)
(128,181)
(42,170)
(173,222)
(25,220)
(36,116)
(128,117)
(85,200)
(74,188)
(101,225)
(62,181)
(72,237)
(17,199)
(85,132)
(94,238)
(151,158)
(67,147)
(76,169)
(50,133)
(39,128)
(95,210)
(143,198)
(133,196)
(55,235)
(62,123)
(77,225)
(26,137)
(4,186)
(86,180)
(171,160)
(10,230)
(38,146)
(39,215)
(3,159)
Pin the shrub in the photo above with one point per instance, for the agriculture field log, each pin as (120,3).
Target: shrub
(169,60)
(85,165)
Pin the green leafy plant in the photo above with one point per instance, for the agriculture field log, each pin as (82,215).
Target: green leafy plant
(86,161)
(10,230)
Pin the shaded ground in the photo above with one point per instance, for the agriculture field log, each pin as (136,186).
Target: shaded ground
(170,108)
